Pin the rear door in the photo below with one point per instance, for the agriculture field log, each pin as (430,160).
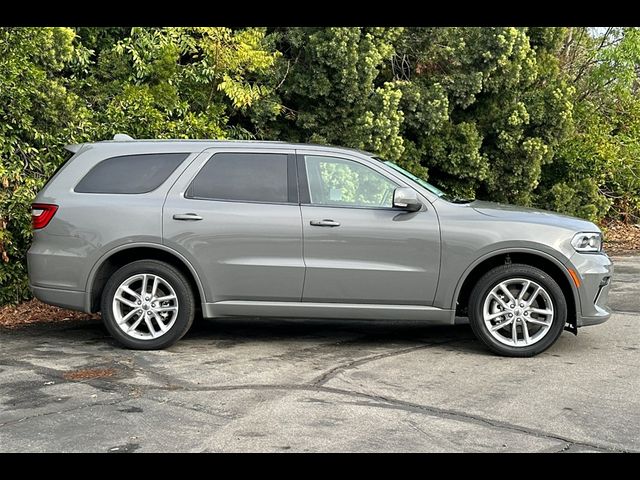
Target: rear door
(357,248)
(234,214)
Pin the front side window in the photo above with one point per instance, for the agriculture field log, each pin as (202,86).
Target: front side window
(341,182)
(130,173)
(252,177)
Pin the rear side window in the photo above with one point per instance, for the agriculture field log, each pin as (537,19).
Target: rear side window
(130,173)
(252,177)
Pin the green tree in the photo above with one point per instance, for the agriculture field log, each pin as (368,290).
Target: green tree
(39,115)
(484,108)
(597,170)
(178,82)
(329,84)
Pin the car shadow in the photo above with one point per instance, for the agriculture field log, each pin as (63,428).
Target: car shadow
(335,330)
(226,332)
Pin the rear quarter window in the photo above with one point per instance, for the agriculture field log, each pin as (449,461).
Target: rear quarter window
(130,174)
(69,155)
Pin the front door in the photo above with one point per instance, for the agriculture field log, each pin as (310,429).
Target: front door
(357,248)
(235,216)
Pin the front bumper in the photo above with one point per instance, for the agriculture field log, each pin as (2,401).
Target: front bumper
(595,272)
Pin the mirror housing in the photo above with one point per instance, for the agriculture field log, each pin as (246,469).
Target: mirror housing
(407,199)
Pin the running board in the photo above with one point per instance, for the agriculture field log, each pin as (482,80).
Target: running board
(357,311)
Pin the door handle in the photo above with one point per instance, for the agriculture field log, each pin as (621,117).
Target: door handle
(325,223)
(187,216)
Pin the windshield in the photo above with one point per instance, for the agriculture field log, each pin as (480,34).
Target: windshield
(424,183)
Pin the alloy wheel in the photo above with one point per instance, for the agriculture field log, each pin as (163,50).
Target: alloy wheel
(145,306)
(518,312)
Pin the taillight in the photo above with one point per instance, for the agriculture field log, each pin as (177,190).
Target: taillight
(41,214)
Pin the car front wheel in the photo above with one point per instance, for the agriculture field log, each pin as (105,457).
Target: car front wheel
(147,305)
(517,310)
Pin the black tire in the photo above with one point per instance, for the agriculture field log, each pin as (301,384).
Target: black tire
(184,294)
(499,274)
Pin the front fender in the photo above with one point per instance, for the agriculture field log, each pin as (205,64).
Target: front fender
(449,288)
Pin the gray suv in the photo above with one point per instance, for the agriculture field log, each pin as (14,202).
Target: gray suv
(154,232)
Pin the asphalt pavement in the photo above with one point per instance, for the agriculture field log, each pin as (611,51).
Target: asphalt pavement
(319,386)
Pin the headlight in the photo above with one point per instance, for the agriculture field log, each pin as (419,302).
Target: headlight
(587,242)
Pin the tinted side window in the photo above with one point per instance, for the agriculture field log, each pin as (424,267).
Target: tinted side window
(130,173)
(255,177)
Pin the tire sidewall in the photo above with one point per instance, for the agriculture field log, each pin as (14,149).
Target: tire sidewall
(500,274)
(183,292)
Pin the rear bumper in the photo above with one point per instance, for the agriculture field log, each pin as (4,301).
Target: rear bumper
(596,273)
(71,299)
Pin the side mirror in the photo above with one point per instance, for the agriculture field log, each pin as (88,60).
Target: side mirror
(407,199)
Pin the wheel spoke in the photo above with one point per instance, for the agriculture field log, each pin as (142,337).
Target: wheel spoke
(150,326)
(524,290)
(500,301)
(154,288)
(541,311)
(534,295)
(501,325)
(167,298)
(126,318)
(494,315)
(133,293)
(128,303)
(167,309)
(504,288)
(159,321)
(538,322)
(135,324)
(145,284)
(514,332)
(525,333)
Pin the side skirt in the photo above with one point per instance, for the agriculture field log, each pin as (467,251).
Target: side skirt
(354,311)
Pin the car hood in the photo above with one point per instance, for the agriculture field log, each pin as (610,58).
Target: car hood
(532,215)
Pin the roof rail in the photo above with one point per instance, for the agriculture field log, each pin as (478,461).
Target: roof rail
(122,137)
(73,147)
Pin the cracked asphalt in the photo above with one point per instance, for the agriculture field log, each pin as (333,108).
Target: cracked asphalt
(342,386)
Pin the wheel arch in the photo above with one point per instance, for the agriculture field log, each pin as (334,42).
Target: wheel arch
(119,256)
(535,258)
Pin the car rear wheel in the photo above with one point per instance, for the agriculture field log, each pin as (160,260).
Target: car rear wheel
(517,310)
(147,305)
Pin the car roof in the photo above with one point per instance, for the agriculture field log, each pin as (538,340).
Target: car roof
(197,144)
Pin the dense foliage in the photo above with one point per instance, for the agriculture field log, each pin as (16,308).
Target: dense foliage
(535,116)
